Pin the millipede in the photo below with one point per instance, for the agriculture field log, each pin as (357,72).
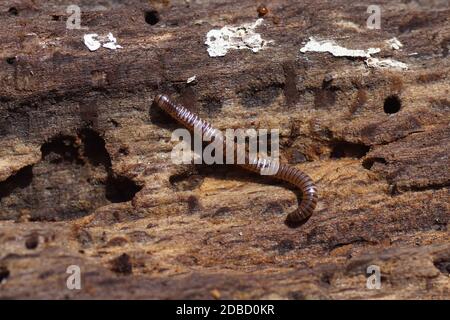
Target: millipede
(281,171)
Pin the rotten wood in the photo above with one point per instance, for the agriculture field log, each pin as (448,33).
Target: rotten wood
(86,177)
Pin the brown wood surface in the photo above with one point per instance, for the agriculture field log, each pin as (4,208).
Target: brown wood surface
(86,177)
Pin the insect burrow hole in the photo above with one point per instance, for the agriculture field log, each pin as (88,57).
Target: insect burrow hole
(392,104)
(11,60)
(13,11)
(152,17)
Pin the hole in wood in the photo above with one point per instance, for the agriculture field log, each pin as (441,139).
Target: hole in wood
(13,11)
(120,188)
(75,176)
(11,60)
(21,179)
(369,162)
(151,17)
(392,104)
(344,149)
(4,273)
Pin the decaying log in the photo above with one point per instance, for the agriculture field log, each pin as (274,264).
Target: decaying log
(86,177)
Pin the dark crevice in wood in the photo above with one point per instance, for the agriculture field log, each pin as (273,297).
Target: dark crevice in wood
(71,154)
(443,265)
(343,149)
(4,273)
(94,148)
(369,162)
(13,11)
(120,188)
(61,148)
(358,240)
(11,60)
(21,179)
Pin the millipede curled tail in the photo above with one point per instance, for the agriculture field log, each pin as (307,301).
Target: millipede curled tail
(282,171)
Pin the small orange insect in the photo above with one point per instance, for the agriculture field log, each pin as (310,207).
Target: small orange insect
(262,10)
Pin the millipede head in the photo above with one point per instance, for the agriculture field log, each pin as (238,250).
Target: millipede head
(161,98)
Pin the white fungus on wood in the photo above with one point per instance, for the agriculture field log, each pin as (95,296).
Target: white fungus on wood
(192,79)
(394,43)
(336,50)
(93,41)
(385,63)
(112,43)
(220,41)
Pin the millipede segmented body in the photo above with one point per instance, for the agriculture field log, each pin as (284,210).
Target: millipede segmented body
(281,171)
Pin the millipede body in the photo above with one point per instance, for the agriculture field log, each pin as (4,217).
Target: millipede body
(282,172)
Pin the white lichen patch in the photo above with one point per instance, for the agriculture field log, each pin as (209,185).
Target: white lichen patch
(394,43)
(112,42)
(220,41)
(192,79)
(90,40)
(93,41)
(336,50)
(385,63)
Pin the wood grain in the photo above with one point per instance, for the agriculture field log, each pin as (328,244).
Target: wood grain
(85,159)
